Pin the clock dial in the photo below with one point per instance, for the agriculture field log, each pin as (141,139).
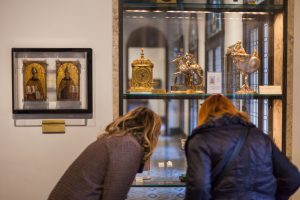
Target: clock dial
(142,75)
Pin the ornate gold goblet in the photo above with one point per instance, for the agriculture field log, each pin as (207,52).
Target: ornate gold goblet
(246,64)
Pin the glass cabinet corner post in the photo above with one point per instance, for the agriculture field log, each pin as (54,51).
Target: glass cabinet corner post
(207,30)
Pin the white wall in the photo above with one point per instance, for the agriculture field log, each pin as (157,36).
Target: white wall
(296,99)
(30,162)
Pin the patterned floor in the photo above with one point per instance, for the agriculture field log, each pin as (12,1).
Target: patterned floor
(156,193)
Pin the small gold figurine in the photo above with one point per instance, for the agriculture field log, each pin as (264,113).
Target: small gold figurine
(190,74)
(142,75)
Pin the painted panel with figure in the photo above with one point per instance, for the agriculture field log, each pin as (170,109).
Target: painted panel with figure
(35,80)
(52,81)
(68,80)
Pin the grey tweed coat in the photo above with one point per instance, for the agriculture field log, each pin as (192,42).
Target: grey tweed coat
(105,170)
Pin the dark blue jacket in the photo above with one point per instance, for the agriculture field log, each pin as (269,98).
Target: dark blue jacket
(259,172)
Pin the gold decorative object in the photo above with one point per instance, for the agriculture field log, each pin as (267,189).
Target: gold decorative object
(245,63)
(68,80)
(142,75)
(34,76)
(188,77)
(53,126)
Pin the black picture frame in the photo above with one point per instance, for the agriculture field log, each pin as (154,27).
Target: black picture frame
(52,81)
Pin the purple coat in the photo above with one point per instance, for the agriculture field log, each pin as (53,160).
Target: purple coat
(105,170)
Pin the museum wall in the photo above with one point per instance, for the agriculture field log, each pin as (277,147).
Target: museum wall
(32,162)
(296,99)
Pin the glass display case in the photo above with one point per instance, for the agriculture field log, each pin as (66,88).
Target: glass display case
(198,48)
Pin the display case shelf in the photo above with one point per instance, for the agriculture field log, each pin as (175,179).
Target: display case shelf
(190,7)
(162,183)
(199,96)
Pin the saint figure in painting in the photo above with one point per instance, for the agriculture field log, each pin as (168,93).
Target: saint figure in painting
(67,89)
(33,87)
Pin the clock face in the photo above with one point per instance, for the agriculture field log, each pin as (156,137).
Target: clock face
(142,75)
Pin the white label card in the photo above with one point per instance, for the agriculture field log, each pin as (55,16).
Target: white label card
(270,89)
(214,82)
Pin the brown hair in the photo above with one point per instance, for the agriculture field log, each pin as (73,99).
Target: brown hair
(216,106)
(142,123)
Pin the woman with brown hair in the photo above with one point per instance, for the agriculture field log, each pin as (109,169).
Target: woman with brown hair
(230,159)
(106,169)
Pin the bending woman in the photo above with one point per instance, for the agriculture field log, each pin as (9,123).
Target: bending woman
(106,169)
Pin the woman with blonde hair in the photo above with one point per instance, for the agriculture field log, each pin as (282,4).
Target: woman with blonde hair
(106,169)
(230,159)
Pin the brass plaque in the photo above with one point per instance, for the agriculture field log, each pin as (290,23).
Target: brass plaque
(53,126)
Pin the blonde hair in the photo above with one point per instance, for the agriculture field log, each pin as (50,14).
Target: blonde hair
(142,123)
(216,106)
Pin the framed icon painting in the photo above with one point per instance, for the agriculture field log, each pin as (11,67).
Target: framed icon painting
(52,80)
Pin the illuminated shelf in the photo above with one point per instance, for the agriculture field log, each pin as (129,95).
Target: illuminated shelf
(154,183)
(198,96)
(130,6)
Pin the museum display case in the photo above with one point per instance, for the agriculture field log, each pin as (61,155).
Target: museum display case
(188,50)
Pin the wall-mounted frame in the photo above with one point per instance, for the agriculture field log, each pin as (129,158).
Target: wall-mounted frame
(52,81)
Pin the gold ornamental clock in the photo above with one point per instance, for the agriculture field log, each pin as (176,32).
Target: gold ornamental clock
(142,75)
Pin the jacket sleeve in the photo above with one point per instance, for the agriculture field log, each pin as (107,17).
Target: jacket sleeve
(287,175)
(198,184)
(123,164)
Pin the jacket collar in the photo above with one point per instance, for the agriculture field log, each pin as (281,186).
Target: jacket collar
(225,120)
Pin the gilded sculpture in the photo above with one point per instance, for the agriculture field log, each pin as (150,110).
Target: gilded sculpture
(188,77)
(245,63)
(142,75)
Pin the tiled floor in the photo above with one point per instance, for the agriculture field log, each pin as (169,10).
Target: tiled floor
(156,193)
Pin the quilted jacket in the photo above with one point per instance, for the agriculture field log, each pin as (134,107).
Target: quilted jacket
(259,172)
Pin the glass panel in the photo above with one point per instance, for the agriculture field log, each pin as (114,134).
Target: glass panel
(210,61)
(266,116)
(218,59)
(166,35)
(180,33)
(265,71)
(192,5)
(167,163)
